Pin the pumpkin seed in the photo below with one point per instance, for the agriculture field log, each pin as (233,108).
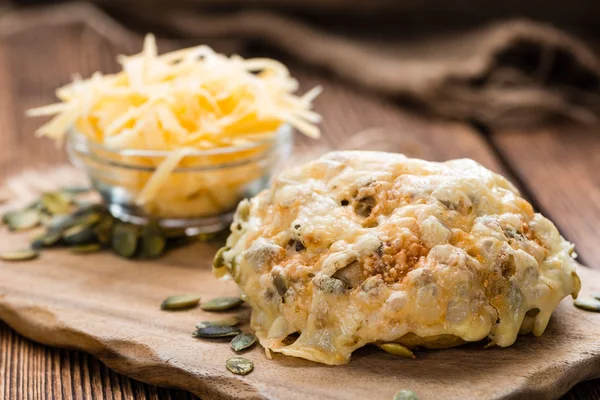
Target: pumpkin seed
(219,261)
(180,302)
(219,268)
(220,272)
(211,332)
(153,241)
(242,341)
(79,234)
(59,222)
(350,275)
(234,268)
(91,218)
(66,197)
(289,339)
(75,190)
(86,248)
(397,349)
(35,205)
(279,281)
(406,395)
(83,203)
(6,216)
(45,219)
(221,304)
(103,230)
(588,304)
(23,220)
(239,365)
(229,321)
(125,240)
(36,243)
(48,238)
(19,255)
(89,208)
(576,282)
(55,203)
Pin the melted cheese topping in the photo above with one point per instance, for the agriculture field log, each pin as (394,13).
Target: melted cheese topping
(366,247)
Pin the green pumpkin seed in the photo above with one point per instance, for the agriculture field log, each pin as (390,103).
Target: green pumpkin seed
(242,341)
(397,349)
(588,304)
(221,304)
(86,248)
(90,208)
(211,332)
(66,197)
(103,230)
(59,222)
(234,268)
(219,268)
(239,365)
(79,234)
(220,272)
(289,339)
(75,190)
(45,219)
(180,302)
(153,241)
(6,216)
(406,395)
(19,255)
(48,238)
(229,321)
(90,216)
(88,219)
(23,220)
(34,205)
(125,240)
(55,203)
(219,261)
(36,243)
(83,203)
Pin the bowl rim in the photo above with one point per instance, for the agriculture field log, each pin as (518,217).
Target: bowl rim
(79,145)
(78,139)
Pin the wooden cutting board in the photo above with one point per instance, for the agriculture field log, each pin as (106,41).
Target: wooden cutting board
(109,307)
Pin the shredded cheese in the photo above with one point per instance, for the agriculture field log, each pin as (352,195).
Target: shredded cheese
(161,173)
(189,99)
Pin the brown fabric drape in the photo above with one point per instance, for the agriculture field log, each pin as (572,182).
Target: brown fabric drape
(453,58)
(514,73)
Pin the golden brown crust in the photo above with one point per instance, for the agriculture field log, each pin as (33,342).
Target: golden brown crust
(364,247)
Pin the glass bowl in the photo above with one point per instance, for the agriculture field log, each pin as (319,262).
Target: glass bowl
(200,195)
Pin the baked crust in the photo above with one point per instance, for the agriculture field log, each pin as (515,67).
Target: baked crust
(369,247)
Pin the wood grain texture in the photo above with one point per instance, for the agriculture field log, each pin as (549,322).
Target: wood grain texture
(34,61)
(109,307)
(29,370)
(561,169)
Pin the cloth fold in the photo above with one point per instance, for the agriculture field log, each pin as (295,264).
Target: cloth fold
(516,73)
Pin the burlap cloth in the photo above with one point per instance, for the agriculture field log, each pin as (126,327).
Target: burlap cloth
(502,74)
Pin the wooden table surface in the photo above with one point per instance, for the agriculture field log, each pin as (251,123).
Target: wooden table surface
(556,168)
